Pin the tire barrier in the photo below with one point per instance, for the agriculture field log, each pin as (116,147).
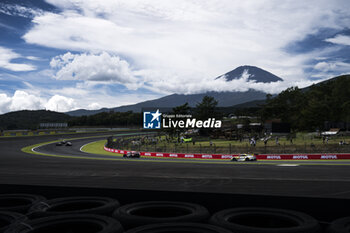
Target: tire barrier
(143,213)
(70,223)
(88,215)
(9,218)
(19,202)
(265,220)
(229,156)
(74,205)
(179,227)
(341,225)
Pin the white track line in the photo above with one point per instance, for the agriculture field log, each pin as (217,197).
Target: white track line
(81,148)
(287,165)
(34,148)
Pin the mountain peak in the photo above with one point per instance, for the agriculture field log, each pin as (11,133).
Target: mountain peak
(255,74)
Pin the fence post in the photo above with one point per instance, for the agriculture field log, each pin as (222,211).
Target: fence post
(187,148)
(200,148)
(214,148)
(230,149)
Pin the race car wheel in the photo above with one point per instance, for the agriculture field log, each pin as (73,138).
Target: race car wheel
(72,223)
(341,225)
(18,202)
(143,213)
(179,227)
(74,205)
(247,159)
(265,220)
(9,218)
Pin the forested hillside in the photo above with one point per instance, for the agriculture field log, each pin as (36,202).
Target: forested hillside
(309,108)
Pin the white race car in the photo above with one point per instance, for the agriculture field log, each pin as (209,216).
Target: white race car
(64,142)
(244,157)
(132,154)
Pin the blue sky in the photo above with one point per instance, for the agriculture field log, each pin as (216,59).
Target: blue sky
(63,54)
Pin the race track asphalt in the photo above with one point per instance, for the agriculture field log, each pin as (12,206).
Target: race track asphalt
(315,179)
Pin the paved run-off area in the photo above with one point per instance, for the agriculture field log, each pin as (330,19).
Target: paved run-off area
(71,167)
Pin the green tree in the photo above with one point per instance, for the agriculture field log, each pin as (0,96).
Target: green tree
(182,109)
(286,106)
(206,108)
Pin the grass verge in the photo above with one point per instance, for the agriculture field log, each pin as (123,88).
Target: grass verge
(29,149)
(97,148)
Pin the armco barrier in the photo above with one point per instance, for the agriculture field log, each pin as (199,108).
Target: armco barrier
(226,156)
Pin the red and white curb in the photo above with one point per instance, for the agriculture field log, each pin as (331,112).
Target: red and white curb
(334,156)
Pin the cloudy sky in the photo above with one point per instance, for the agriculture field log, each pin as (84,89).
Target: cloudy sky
(68,54)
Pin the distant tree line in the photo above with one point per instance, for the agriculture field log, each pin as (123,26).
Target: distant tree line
(30,119)
(108,119)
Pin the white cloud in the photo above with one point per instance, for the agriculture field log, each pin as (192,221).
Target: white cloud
(241,84)
(60,104)
(180,45)
(96,68)
(5,102)
(68,98)
(21,100)
(33,58)
(324,66)
(6,55)
(340,39)
(18,10)
(25,100)
(94,106)
(87,96)
(341,67)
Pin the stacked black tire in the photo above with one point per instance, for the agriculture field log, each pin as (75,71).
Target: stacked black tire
(25,213)
(162,216)
(19,203)
(74,205)
(265,220)
(63,215)
(8,219)
(14,206)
